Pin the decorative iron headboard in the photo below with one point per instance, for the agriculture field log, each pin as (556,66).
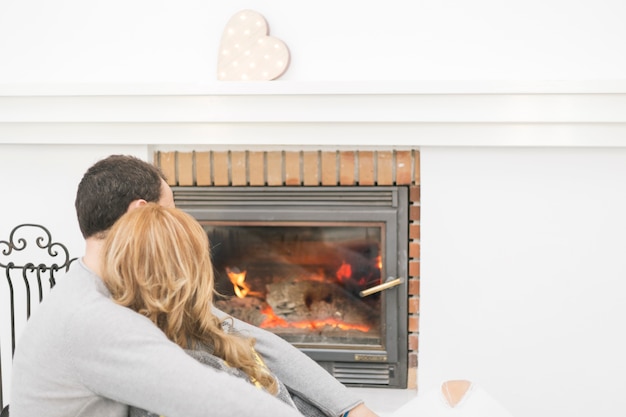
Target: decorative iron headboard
(25,274)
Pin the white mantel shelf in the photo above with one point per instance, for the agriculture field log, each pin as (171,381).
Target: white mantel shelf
(287,114)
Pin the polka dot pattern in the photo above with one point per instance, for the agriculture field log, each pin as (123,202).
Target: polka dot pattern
(246,51)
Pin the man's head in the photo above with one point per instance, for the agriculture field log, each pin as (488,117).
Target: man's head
(111,186)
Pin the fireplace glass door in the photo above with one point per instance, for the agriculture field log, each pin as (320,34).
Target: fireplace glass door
(303,282)
(323,268)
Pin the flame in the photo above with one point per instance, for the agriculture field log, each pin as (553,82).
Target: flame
(379,262)
(344,272)
(272,320)
(238,280)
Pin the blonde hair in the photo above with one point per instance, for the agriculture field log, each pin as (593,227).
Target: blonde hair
(156,261)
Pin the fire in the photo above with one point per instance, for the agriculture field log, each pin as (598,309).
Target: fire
(238,280)
(272,320)
(344,272)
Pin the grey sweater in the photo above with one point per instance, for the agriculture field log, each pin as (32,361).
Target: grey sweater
(83,355)
(206,358)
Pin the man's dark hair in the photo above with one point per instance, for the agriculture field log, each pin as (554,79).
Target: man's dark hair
(109,186)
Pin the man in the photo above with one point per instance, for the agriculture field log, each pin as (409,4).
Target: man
(83,355)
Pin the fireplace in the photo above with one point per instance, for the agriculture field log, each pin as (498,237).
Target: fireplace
(325,268)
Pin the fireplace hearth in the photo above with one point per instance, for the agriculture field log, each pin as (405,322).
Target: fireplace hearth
(322,267)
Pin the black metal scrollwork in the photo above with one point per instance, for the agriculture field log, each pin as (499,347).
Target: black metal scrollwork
(44,259)
(37,265)
(58,255)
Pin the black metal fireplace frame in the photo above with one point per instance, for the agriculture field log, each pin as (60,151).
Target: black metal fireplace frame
(367,367)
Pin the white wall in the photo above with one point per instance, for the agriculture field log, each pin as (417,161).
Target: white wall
(523,276)
(158,41)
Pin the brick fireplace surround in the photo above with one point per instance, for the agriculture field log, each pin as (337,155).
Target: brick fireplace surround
(275,168)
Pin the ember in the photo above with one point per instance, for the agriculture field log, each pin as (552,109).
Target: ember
(273,320)
(344,272)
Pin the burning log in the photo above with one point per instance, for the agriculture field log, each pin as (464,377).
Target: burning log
(326,303)
(249,309)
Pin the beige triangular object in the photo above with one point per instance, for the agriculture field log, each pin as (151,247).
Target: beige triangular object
(454,390)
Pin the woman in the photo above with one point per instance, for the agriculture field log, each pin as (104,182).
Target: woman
(157,262)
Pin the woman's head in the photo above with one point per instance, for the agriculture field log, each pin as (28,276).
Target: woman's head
(156,261)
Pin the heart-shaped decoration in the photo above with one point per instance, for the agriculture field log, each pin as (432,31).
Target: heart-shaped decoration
(247,53)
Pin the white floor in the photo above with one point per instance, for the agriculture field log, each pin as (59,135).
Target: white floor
(385,401)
